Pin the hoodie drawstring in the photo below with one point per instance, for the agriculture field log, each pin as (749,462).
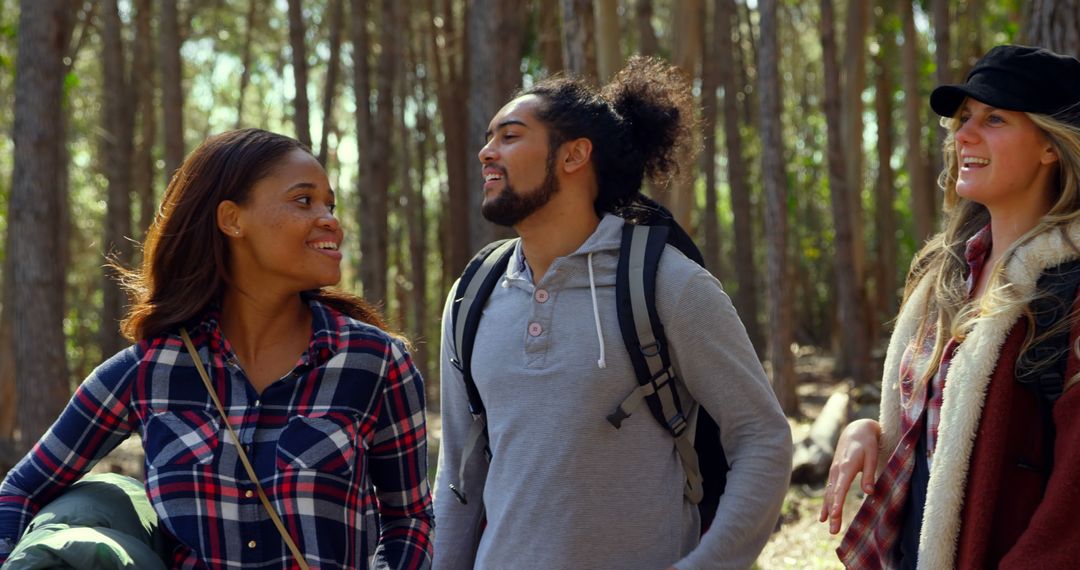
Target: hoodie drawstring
(602,363)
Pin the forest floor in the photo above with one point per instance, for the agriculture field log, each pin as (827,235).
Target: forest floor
(800,541)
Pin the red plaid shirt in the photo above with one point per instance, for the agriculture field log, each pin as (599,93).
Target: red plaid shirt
(872,537)
(339,445)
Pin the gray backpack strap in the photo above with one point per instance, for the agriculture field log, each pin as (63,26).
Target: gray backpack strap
(470,296)
(643,334)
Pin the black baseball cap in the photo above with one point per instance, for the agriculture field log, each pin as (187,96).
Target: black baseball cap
(1018,78)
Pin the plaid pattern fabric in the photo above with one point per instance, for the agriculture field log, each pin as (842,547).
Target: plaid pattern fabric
(339,445)
(871,539)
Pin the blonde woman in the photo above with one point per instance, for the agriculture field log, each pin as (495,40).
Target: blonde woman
(973,462)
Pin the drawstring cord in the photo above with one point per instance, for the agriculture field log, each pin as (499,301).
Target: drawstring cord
(602,363)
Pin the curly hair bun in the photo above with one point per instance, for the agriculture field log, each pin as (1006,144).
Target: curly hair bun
(655,102)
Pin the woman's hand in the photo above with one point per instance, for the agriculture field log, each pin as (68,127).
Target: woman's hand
(856,451)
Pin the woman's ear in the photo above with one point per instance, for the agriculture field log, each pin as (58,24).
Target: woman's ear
(1049,155)
(228,219)
(578,152)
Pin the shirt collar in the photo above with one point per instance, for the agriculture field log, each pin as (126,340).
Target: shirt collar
(976,250)
(325,337)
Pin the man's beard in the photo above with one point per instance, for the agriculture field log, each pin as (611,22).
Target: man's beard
(509,207)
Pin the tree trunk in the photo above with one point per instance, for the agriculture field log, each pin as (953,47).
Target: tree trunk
(549,35)
(365,136)
(711,46)
(117,146)
(609,58)
(172,91)
(418,248)
(885,214)
(687,31)
(855,352)
(943,73)
(375,198)
(649,44)
(245,59)
(333,71)
(297,31)
(775,185)
(33,210)
(493,76)
(969,37)
(143,68)
(1054,24)
(579,31)
(853,84)
(921,193)
(450,84)
(746,296)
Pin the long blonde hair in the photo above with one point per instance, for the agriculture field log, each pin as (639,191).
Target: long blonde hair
(949,313)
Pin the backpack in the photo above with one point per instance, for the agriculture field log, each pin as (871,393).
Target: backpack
(1042,366)
(642,244)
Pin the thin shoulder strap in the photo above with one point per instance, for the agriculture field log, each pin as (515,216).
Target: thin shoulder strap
(297,555)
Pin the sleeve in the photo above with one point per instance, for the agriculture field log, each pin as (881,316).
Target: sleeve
(1052,537)
(398,463)
(718,365)
(459,525)
(96,419)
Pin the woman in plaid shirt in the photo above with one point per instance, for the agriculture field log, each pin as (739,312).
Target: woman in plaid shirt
(327,406)
(973,468)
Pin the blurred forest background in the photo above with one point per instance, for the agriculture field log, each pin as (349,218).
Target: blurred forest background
(815,184)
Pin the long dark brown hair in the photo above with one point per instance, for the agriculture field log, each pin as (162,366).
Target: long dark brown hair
(186,257)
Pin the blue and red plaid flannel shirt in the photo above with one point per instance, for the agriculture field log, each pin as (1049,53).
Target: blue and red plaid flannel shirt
(872,537)
(339,445)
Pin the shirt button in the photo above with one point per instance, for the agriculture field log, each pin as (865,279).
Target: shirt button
(249,493)
(541,296)
(535,329)
(257,402)
(251,544)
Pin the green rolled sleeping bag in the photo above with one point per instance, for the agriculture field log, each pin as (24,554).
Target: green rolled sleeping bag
(104,522)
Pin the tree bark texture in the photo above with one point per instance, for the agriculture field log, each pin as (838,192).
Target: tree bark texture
(34,207)
(117,146)
(609,58)
(711,46)
(375,198)
(245,59)
(943,69)
(922,196)
(297,31)
(852,85)
(776,191)
(688,30)
(172,91)
(1054,24)
(451,85)
(855,350)
(579,33)
(333,72)
(143,67)
(746,296)
(885,214)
